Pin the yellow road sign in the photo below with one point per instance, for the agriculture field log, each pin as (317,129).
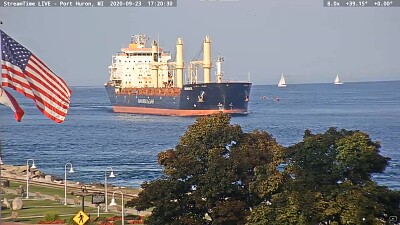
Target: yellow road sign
(81,218)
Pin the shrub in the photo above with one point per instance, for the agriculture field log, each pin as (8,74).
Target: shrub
(90,222)
(100,218)
(118,222)
(106,223)
(51,217)
(71,221)
(51,222)
(132,217)
(114,218)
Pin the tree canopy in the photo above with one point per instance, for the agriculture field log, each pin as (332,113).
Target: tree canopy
(207,176)
(217,174)
(327,180)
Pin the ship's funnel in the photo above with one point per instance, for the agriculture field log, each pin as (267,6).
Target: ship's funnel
(154,67)
(207,59)
(179,63)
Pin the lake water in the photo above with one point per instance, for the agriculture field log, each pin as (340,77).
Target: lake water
(93,137)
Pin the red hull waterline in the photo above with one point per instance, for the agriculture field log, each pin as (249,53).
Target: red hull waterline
(173,112)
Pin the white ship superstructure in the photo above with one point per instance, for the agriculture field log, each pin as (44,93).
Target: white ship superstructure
(140,67)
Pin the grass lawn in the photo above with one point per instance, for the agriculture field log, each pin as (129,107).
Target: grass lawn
(35,209)
(43,190)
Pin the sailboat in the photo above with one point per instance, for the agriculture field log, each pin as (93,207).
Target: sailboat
(337,80)
(282,82)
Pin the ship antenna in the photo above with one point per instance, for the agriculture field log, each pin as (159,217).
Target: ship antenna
(139,39)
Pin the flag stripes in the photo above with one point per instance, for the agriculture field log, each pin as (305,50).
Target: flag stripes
(8,100)
(28,75)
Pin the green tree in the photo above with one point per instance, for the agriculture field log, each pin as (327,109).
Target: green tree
(327,179)
(208,176)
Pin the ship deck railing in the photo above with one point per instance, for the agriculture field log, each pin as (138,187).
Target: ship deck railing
(152,91)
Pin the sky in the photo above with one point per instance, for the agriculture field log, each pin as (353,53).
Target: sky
(305,41)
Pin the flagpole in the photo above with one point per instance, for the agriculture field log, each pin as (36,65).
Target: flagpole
(1,188)
(1,152)
(1,162)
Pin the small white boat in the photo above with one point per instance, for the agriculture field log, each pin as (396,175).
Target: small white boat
(337,80)
(282,82)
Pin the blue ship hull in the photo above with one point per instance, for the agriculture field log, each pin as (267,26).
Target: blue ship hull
(193,100)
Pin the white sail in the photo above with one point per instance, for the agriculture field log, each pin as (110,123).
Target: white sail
(337,80)
(282,82)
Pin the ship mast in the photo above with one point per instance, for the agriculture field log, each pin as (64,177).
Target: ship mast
(205,63)
(154,66)
(179,63)
(218,72)
(207,59)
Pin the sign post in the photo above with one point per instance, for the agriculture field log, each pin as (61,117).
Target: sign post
(83,194)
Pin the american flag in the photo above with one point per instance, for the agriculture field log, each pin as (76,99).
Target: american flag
(8,100)
(28,75)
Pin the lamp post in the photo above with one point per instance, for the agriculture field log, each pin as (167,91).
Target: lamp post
(105,185)
(71,170)
(27,175)
(113,203)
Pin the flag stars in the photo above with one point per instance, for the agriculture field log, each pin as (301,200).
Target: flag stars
(17,57)
(14,53)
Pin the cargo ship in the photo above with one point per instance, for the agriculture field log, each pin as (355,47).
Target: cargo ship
(145,80)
